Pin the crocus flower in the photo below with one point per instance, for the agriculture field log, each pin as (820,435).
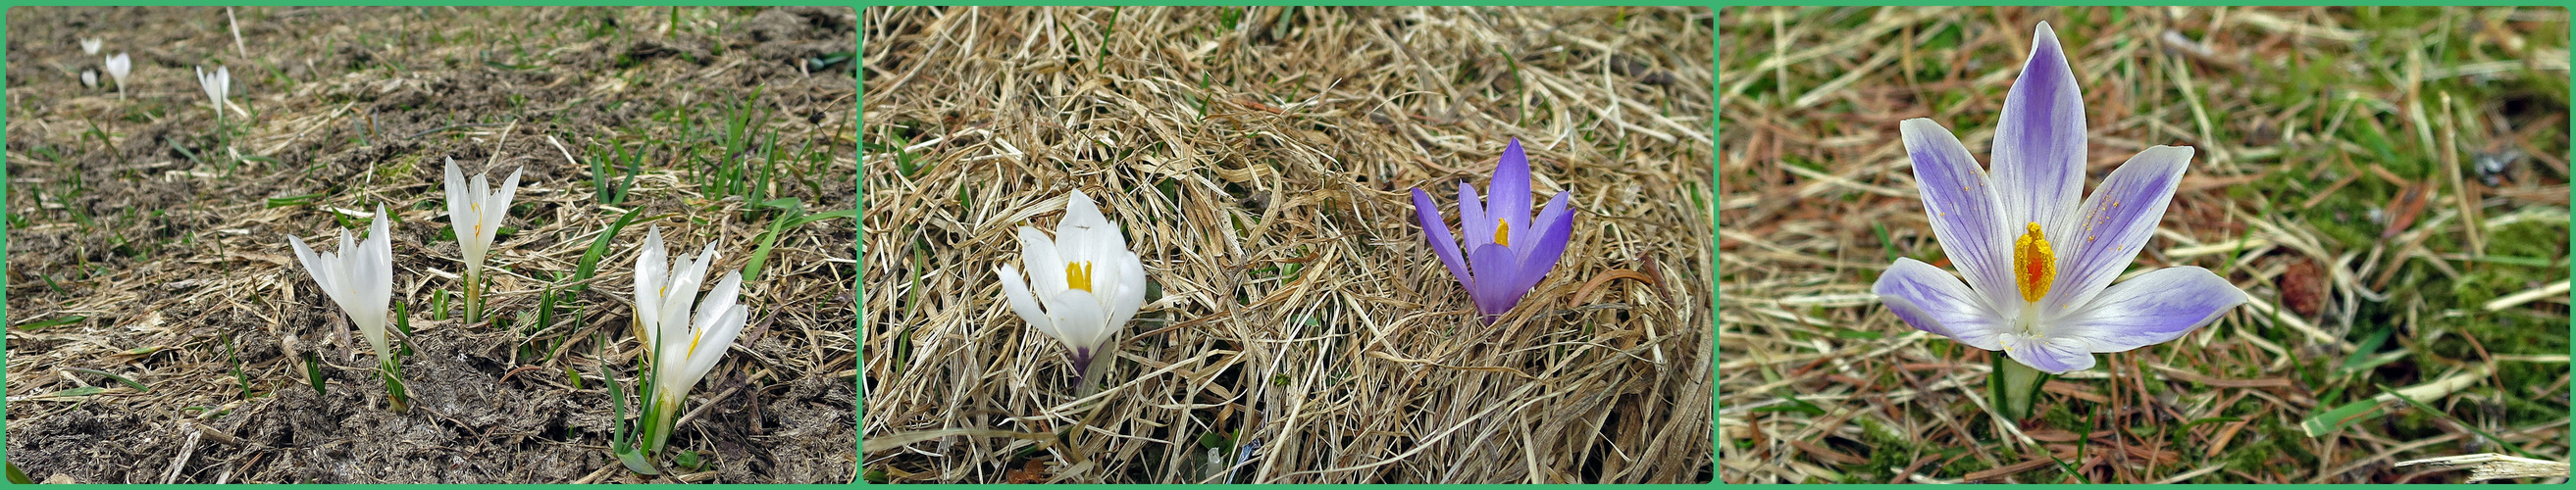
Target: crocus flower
(360,277)
(1506,250)
(1081,287)
(218,85)
(90,45)
(2039,264)
(117,66)
(476,212)
(89,78)
(683,350)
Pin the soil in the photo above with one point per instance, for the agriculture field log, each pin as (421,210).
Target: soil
(140,248)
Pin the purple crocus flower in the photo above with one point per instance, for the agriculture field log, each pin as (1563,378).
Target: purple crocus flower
(1506,251)
(2039,265)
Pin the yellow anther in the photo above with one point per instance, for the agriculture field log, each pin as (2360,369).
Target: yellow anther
(1502,233)
(2034,265)
(1078,276)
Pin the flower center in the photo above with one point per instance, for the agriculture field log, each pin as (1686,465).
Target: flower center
(1078,276)
(1502,232)
(2034,266)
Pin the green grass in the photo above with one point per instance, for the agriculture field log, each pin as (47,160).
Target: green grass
(2309,132)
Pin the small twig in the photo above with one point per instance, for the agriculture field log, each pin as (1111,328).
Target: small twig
(702,407)
(429,131)
(186,448)
(2492,466)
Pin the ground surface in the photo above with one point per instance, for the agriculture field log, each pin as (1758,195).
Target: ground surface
(1299,329)
(146,244)
(2338,181)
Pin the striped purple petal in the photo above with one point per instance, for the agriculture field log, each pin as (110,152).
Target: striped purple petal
(1966,216)
(1933,301)
(2039,143)
(2115,222)
(2053,355)
(2153,308)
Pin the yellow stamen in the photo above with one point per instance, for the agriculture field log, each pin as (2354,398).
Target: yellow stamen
(1502,233)
(1078,275)
(2034,265)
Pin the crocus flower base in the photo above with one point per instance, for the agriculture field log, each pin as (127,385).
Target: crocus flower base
(2013,388)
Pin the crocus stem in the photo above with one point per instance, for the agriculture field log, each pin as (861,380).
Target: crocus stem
(2013,387)
(1089,363)
(473,298)
(391,370)
(659,413)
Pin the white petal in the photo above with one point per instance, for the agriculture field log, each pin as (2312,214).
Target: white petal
(713,340)
(650,270)
(720,299)
(1077,314)
(312,264)
(1046,267)
(1015,290)
(1130,295)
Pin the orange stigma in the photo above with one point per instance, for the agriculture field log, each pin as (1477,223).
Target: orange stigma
(2034,265)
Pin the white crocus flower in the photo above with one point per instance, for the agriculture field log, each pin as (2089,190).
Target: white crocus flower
(476,213)
(1081,287)
(218,85)
(360,277)
(90,45)
(684,348)
(118,65)
(89,78)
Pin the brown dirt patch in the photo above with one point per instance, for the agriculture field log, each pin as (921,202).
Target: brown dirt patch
(166,249)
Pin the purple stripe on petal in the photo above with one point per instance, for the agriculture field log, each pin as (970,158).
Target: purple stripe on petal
(1472,219)
(2153,308)
(2116,222)
(2039,141)
(1933,301)
(2054,356)
(1965,211)
(1496,272)
(1442,243)
(1509,196)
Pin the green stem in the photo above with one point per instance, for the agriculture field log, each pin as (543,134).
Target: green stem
(2013,388)
(391,370)
(473,298)
(659,415)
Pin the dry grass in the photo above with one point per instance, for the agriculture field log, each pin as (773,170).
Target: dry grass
(1301,330)
(2336,182)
